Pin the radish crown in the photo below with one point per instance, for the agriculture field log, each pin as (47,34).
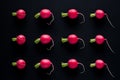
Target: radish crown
(92,15)
(14,63)
(92,40)
(64,40)
(92,65)
(14,39)
(14,13)
(37,41)
(64,64)
(64,14)
(37,15)
(37,65)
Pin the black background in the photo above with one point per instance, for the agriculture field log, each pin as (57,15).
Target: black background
(32,29)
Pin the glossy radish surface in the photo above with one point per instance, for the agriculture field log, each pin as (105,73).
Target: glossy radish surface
(99,64)
(44,64)
(72,63)
(99,39)
(20,14)
(100,14)
(71,39)
(44,39)
(20,39)
(72,13)
(20,64)
(45,13)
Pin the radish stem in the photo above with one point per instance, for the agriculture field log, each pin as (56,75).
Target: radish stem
(63,40)
(14,13)
(37,41)
(92,65)
(37,15)
(92,15)
(64,64)
(92,40)
(37,65)
(14,39)
(14,63)
(64,14)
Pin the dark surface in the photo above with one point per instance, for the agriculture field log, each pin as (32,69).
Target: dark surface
(32,29)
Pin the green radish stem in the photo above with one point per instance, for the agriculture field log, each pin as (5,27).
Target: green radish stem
(64,64)
(92,15)
(64,40)
(14,39)
(92,65)
(37,41)
(14,13)
(92,40)
(64,14)
(37,15)
(14,63)
(37,65)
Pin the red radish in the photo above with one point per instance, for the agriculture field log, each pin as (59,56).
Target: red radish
(73,14)
(20,39)
(100,64)
(99,39)
(100,14)
(20,64)
(45,14)
(20,14)
(45,39)
(72,64)
(72,39)
(45,64)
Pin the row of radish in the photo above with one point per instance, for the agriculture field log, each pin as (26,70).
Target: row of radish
(72,39)
(71,14)
(71,64)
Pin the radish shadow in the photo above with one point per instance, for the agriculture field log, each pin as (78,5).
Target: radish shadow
(43,22)
(99,73)
(20,74)
(72,72)
(72,48)
(19,48)
(98,48)
(42,48)
(44,73)
(18,22)
(99,22)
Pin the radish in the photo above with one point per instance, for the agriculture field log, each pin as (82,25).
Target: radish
(45,14)
(20,14)
(100,64)
(99,39)
(45,39)
(100,14)
(72,64)
(20,64)
(73,14)
(72,39)
(20,39)
(45,64)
